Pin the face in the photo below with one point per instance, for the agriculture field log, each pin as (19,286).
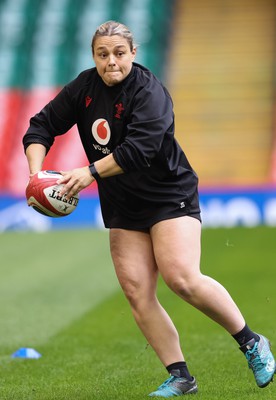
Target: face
(113,58)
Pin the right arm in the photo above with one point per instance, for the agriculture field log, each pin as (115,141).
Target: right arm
(35,153)
(56,118)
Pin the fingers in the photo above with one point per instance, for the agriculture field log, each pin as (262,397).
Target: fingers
(74,181)
(70,191)
(66,176)
(70,185)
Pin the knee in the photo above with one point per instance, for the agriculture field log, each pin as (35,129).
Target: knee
(185,287)
(131,291)
(138,296)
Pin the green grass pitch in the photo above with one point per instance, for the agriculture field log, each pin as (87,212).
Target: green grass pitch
(59,295)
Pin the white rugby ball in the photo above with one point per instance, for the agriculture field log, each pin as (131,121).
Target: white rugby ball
(43,195)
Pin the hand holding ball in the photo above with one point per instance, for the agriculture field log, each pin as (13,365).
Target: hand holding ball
(43,195)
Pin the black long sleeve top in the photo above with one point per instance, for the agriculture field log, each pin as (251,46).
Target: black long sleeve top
(134,121)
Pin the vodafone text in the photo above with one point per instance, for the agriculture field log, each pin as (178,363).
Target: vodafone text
(104,150)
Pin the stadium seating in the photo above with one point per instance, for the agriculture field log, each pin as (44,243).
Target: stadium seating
(223,84)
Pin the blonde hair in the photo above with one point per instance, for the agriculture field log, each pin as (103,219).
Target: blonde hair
(111,28)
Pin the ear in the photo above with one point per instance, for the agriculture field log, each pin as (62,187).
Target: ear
(133,53)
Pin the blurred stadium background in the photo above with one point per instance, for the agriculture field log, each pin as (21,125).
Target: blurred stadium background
(218,59)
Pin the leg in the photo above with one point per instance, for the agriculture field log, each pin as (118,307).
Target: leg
(176,245)
(137,273)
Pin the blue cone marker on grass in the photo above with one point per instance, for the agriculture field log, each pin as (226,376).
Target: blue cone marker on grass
(25,352)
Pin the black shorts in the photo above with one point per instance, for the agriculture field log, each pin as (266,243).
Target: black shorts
(153,215)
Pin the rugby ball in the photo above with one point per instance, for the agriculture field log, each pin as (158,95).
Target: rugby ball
(43,195)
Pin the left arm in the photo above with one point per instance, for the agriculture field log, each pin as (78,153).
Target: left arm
(79,178)
(151,120)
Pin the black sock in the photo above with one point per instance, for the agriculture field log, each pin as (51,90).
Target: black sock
(180,370)
(245,335)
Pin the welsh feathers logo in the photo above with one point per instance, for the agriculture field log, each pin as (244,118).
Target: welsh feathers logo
(101,131)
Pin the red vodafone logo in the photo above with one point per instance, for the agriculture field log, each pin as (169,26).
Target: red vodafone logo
(101,131)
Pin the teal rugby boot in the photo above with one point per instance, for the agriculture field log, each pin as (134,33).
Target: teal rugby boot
(175,386)
(260,360)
